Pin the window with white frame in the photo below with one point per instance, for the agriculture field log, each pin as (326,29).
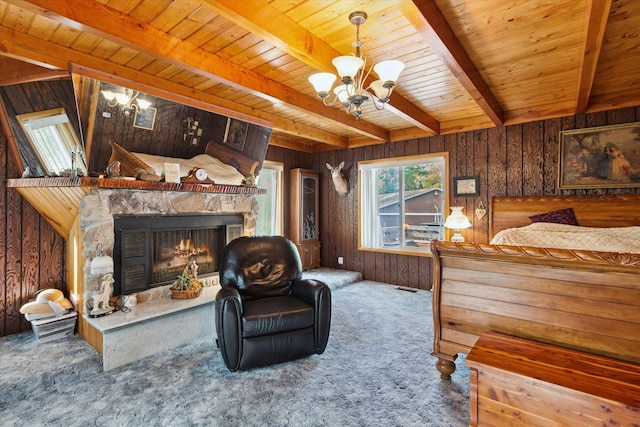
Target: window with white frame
(269,221)
(53,140)
(402,202)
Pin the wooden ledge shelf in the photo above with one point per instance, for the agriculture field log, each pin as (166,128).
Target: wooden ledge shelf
(91,183)
(58,199)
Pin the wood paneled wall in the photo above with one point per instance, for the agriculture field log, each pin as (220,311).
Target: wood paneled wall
(31,252)
(510,161)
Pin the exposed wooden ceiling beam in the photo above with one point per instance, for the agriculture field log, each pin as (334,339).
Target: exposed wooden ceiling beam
(596,22)
(281,31)
(434,29)
(16,71)
(24,46)
(97,19)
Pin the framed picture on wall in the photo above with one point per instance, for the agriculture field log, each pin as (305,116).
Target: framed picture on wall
(235,133)
(145,119)
(466,186)
(600,157)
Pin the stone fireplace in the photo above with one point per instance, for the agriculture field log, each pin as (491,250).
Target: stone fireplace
(100,209)
(149,328)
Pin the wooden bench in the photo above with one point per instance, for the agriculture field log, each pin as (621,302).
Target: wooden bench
(518,382)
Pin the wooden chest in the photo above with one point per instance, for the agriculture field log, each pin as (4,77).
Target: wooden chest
(516,382)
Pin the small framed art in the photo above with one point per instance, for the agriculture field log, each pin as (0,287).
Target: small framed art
(236,133)
(466,186)
(145,119)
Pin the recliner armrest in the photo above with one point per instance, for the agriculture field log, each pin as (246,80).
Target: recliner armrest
(308,290)
(318,295)
(229,326)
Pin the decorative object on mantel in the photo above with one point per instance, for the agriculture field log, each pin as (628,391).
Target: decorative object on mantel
(187,285)
(171,172)
(113,170)
(100,298)
(481,211)
(352,70)
(197,176)
(191,131)
(144,175)
(249,180)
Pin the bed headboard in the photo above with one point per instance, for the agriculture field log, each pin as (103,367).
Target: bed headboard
(245,164)
(616,210)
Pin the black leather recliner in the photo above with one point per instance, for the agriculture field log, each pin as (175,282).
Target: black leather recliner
(265,312)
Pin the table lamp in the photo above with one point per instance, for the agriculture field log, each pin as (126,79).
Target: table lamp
(457,221)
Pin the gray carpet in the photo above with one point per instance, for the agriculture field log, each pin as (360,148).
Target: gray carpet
(376,371)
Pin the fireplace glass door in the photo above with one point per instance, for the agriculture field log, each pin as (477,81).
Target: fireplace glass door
(152,251)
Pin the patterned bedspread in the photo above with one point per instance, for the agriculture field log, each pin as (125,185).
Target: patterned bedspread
(561,236)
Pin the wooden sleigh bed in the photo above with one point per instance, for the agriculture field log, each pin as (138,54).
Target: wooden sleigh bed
(581,299)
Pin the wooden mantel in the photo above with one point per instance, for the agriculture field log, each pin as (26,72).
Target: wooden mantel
(58,199)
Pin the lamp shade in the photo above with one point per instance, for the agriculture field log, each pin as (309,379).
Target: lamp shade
(341,92)
(322,82)
(381,92)
(102,264)
(389,70)
(347,66)
(110,96)
(143,103)
(457,220)
(122,98)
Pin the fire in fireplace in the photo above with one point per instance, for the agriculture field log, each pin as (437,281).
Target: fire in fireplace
(151,251)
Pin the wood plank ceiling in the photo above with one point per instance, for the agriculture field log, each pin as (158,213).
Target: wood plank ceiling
(470,64)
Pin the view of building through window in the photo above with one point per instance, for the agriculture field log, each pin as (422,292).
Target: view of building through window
(402,202)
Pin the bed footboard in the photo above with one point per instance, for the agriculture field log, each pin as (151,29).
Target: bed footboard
(588,301)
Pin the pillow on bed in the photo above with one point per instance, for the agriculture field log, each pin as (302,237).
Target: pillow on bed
(562,216)
(128,162)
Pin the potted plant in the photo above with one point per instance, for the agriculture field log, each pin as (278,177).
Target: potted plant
(187,284)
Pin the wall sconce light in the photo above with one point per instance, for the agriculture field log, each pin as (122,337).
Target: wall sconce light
(191,130)
(457,221)
(128,100)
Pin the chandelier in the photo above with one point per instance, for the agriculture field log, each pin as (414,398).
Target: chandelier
(353,71)
(128,100)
